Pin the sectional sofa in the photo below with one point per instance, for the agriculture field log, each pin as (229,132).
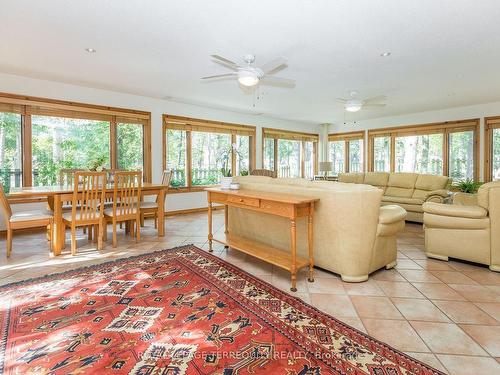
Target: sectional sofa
(407,190)
(353,234)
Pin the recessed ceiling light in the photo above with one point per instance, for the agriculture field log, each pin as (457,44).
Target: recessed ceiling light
(385,54)
(91,50)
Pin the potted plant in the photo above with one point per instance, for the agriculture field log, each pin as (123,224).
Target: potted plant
(467,192)
(226,179)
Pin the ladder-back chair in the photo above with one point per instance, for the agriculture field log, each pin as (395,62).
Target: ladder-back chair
(148,208)
(126,201)
(26,219)
(86,208)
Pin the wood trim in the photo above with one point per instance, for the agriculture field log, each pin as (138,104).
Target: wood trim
(490,123)
(28,105)
(435,127)
(63,105)
(346,135)
(446,128)
(289,135)
(192,210)
(196,124)
(27,150)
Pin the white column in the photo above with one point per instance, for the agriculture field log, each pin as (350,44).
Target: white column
(323,142)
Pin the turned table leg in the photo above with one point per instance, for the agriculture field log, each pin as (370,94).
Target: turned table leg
(226,222)
(310,242)
(293,269)
(210,235)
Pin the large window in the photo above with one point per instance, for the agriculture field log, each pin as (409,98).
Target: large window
(382,154)
(420,154)
(60,143)
(130,146)
(200,152)
(346,152)
(11,160)
(39,137)
(447,148)
(492,148)
(291,154)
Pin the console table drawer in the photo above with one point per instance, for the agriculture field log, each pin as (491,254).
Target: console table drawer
(246,201)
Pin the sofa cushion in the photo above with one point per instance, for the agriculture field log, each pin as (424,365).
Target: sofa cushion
(289,181)
(387,198)
(401,184)
(472,212)
(376,178)
(431,182)
(411,208)
(353,178)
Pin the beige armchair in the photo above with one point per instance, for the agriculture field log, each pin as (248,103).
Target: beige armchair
(466,232)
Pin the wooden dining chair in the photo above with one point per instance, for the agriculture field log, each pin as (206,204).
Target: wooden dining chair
(26,219)
(126,200)
(67,176)
(86,211)
(148,208)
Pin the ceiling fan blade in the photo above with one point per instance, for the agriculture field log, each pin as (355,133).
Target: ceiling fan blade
(374,105)
(375,99)
(273,65)
(278,81)
(223,61)
(341,100)
(220,76)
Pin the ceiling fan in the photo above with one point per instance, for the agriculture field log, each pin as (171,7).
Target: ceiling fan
(250,75)
(353,104)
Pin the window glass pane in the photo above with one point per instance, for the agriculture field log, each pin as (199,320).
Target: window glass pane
(129,147)
(242,155)
(496,154)
(211,154)
(11,159)
(269,153)
(308,160)
(288,158)
(337,153)
(382,154)
(67,143)
(356,155)
(420,154)
(461,156)
(176,157)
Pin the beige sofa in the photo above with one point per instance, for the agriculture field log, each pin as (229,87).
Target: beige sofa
(466,232)
(353,235)
(407,190)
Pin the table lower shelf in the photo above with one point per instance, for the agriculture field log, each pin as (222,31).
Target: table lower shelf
(263,252)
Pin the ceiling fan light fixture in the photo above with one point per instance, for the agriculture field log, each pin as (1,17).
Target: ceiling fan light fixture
(247,78)
(353,105)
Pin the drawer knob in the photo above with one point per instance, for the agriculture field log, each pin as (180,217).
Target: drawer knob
(241,199)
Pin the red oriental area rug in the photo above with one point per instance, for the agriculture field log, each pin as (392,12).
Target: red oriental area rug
(178,311)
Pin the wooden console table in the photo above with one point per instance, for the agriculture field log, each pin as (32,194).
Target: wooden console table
(283,205)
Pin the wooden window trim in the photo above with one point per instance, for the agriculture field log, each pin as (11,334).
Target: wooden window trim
(490,123)
(446,128)
(347,137)
(277,134)
(189,125)
(30,105)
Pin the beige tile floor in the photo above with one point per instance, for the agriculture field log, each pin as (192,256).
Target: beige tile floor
(446,314)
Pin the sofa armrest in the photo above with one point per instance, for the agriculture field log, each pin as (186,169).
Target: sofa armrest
(470,212)
(438,196)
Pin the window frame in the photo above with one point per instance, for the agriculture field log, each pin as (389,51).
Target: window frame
(277,134)
(189,125)
(490,124)
(446,128)
(347,137)
(27,106)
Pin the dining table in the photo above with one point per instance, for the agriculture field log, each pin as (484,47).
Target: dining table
(57,194)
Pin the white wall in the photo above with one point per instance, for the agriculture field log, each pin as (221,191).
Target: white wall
(48,89)
(458,113)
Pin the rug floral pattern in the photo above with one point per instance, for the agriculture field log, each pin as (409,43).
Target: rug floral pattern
(178,311)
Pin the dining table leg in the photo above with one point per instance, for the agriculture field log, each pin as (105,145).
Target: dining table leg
(161,213)
(58,230)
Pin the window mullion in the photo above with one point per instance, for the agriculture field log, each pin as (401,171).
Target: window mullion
(113,143)
(27,149)
(188,159)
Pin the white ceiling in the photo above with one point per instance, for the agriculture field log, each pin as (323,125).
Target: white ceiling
(445,53)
